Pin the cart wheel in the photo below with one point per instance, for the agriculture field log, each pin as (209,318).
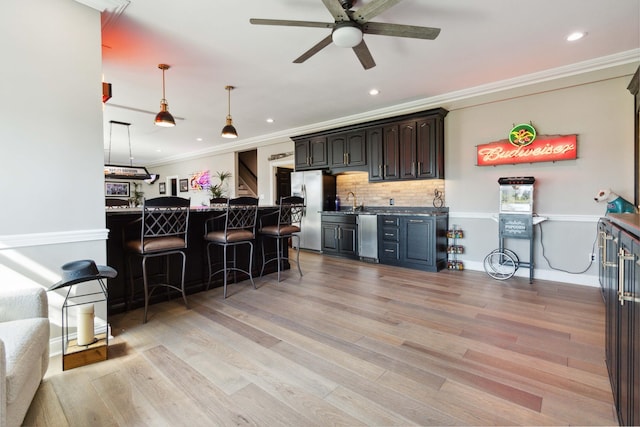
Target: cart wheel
(512,255)
(500,265)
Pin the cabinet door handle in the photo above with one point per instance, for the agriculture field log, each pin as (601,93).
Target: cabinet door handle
(603,254)
(419,170)
(348,158)
(419,221)
(622,297)
(380,170)
(389,250)
(388,234)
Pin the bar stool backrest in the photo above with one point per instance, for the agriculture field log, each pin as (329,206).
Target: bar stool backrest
(291,211)
(164,217)
(241,214)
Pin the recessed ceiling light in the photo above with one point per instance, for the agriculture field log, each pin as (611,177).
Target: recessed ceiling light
(374,92)
(576,36)
(269,120)
(198,139)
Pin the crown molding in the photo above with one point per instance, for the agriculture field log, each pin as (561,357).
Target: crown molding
(102,5)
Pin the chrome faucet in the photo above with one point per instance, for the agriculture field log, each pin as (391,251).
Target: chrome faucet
(354,201)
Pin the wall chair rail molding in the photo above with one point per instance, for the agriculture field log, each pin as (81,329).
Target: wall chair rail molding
(13,241)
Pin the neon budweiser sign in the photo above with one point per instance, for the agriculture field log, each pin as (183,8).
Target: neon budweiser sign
(524,146)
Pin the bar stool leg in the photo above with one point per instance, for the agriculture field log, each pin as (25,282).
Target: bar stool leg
(146,288)
(251,265)
(297,253)
(184,267)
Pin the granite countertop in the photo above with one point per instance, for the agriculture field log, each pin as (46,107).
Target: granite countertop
(115,210)
(390,210)
(628,221)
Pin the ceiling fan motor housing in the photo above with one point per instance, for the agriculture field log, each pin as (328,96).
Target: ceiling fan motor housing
(347,4)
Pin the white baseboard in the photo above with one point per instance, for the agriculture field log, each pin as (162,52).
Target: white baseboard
(556,276)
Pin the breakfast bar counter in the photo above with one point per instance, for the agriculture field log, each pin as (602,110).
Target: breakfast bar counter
(120,297)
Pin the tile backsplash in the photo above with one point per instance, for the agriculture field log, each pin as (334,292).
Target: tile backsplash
(420,192)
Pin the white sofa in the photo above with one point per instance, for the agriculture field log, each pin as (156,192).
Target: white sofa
(24,350)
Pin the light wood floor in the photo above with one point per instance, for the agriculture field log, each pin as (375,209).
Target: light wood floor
(350,343)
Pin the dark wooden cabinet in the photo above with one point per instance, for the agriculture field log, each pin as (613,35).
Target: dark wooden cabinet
(311,153)
(620,281)
(348,150)
(413,241)
(403,147)
(339,235)
(389,239)
(375,158)
(383,149)
(421,149)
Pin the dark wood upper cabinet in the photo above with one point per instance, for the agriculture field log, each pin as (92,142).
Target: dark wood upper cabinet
(348,149)
(391,152)
(407,150)
(403,147)
(311,153)
(375,158)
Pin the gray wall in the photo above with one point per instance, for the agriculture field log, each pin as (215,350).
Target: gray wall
(52,182)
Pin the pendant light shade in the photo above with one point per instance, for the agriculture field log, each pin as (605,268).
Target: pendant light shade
(229,131)
(164,117)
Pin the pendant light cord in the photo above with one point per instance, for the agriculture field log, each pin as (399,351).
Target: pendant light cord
(129,137)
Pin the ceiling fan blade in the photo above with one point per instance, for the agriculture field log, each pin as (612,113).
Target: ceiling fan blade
(364,55)
(137,110)
(315,49)
(287,23)
(398,30)
(336,10)
(372,9)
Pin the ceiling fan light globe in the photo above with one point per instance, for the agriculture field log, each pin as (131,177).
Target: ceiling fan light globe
(347,36)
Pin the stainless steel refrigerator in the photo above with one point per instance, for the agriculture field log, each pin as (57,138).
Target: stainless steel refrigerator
(319,192)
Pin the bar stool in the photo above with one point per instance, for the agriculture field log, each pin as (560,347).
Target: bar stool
(239,229)
(163,232)
(287,226)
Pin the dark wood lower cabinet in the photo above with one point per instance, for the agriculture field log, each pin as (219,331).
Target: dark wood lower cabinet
(339,235)
(418,242)
(620,281)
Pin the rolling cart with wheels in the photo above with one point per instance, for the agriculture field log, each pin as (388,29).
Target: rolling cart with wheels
(515,221)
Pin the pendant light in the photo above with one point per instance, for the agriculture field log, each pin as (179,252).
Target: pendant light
(164,118)
(229,131)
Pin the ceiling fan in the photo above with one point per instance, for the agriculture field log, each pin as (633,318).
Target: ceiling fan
(350,25)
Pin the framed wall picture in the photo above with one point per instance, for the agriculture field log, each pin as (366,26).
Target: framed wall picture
(116,189)
(184,185)
(162,187)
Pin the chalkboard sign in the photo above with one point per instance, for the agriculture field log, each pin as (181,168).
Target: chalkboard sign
(516,226)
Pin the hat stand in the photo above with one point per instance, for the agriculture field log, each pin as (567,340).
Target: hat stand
(87,346)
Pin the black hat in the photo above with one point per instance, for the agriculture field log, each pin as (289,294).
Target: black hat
(83,271)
